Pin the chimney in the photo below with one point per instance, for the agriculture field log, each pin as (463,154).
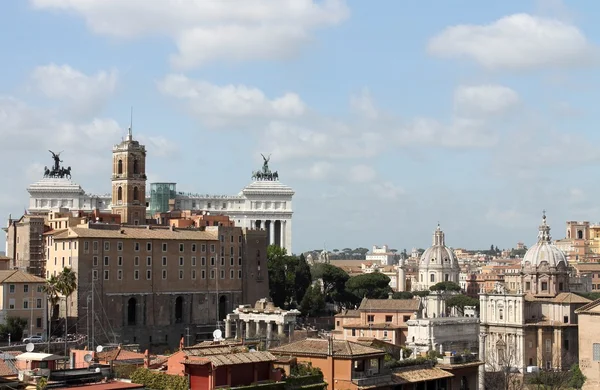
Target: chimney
(390,295)
(330,346)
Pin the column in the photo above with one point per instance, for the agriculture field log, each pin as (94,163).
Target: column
(281,329)
(238,324)
(227,328)
(540,350)
(291,333)
(269,333)
(282,233)
(257,328)
(481,370)
(248,330)
(271,232)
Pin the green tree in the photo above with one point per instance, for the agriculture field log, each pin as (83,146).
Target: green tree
(66,285)
(403,295)
(313,302)
(51,290)
(289,277)
(372,285)
(333,279)
(577,379)
(461,301)
(13,326)
(445,286)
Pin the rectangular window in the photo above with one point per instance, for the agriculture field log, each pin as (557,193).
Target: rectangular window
(353,332)
(38,324)
(25,288)
(193,274)
(94,246)
(203,248)
(240,239)
(120,261)
(11,304)
(38,303)
(212,248)
(40,288)
(164,273)
(193,261)
(203,274)
(106,261)
(181,247)
(106,274)
(164,247)
(193,247)
(231,239)
(388,318)
(180,274)
(370,318)
(232,262)
(212,273)
(222,261)
(544,286)
(222,274)
(136,246)
(548,345)
(86,246)
(231,251)
(566,319)
(203,261)
(119,246)
(149,261)
(148,246)
(106,245)
(239,261)
(136,274)
(231,274)
(95,274)
(136,261)
(25,303)
(222,238)
(239,273)
(181,261)
(149,274)
(212,261)
(120,274)
(164,261)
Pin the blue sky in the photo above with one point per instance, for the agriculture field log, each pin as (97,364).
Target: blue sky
(385,117)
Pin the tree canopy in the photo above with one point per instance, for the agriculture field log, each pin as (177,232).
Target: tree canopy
(445,286)
(461,301)
(313,302)
(13,326)
(289,277)
(333,280)
(373,285)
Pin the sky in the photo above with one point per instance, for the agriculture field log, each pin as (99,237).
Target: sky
(385,117)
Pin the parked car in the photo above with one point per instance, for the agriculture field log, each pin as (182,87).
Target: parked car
(33,339)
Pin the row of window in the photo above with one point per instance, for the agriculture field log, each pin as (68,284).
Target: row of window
(136,261)
(432,278)
(12,304)
(12,288)
(388,318)
(137,246)
(136,274)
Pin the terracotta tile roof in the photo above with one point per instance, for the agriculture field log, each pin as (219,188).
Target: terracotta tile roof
(420,375)
(389,304)
(16,276)
(119,354)
(215,350)
(380,325)
(320,347)
(589,267)
(8,368)
(564,297)
(142,233)
(590,308)
(348,313)
(231,359)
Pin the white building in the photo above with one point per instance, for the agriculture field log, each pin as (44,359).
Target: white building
(51,194)
(437,264)
(381,255)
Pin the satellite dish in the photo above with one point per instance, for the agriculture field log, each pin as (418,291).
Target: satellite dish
(99,348)
(252,350)
(97,369)
(217,334)
(88,358)
(29,347)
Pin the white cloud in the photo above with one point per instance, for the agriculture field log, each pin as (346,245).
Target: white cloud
(86,93)
(158,145)
(461,133)
(361,173)
(221,105)
(318,170)
(205,31)
(515,42)
(363,103)
(489,99)
(388,190)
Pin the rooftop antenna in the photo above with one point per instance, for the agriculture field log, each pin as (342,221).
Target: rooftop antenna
(129,135)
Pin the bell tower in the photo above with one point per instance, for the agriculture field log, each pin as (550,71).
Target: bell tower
(129,181)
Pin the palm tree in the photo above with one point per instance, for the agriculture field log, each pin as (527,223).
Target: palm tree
(51,290)
(67,284)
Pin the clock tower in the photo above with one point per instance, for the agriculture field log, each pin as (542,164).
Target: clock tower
(129,181)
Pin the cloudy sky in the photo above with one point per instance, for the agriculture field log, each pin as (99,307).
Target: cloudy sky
(385,117)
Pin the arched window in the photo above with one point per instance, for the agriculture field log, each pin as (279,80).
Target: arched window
(120,167)
(580,234)
(421,277)
(135,193)
(501,314)
(119,193)
(447,277)
(136,167)
(131,311)
(432,278)
(179,310)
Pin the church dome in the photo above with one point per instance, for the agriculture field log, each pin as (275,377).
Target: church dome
(544,253)
(438,256)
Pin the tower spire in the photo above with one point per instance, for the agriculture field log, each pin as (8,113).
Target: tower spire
(544,233)
(129,132)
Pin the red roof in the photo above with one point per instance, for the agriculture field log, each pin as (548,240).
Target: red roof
(109,386)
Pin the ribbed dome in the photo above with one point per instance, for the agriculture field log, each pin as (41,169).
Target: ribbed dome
(544,250)
(438,256)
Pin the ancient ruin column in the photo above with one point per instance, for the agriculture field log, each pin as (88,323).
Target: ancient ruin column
(282,233)
(272,232)
(291,334)
(540,348)
(247,329)
(257,328)
(481,369)
(281,329)
(227,328)
(238,324)
(269,333)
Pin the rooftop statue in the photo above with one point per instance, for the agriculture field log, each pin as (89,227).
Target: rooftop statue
(265,173)
(57,171)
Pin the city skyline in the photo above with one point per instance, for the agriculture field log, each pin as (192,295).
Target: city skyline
(384,120)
